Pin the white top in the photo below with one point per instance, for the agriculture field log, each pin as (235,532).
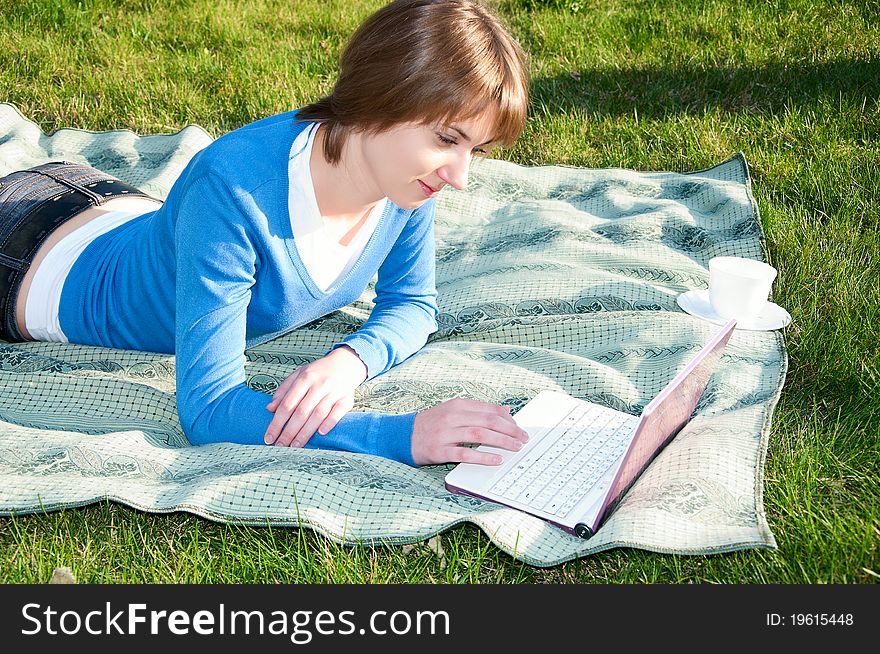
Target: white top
(44,295)
(324,258)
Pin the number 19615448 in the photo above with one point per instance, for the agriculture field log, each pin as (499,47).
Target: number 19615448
(810,619)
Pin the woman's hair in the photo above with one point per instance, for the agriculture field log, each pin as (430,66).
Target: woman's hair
(425,62)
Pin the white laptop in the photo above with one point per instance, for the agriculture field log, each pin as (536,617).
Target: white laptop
(582,457)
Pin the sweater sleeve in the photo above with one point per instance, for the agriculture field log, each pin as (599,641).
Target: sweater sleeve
(216,268)
(405,310)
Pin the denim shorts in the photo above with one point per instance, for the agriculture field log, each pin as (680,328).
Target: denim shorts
(35,202)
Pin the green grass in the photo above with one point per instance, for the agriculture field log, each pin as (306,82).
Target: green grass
(648,86)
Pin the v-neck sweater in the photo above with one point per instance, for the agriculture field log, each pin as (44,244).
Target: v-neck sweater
(325,258)
(216,270)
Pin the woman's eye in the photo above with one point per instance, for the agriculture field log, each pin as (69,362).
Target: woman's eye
(448,141)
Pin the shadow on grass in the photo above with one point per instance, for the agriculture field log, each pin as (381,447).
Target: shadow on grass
(657,92)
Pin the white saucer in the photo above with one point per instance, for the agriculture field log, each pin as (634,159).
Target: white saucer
(697,304)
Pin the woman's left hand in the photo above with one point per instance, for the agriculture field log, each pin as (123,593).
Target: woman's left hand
(314,398)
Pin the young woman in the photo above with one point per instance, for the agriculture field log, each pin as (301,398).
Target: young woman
(278,223)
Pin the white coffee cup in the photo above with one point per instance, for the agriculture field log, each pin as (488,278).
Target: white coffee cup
(738,287)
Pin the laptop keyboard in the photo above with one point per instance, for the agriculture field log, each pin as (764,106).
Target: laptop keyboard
(581,449)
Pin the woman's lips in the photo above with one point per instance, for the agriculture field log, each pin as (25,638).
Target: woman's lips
(429,191)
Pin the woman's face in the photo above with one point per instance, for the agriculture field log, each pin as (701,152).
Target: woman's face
(411,163)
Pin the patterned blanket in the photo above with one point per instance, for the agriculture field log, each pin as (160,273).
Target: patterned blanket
(548,278)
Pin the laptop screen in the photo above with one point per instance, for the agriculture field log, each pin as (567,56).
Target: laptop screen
(664,416)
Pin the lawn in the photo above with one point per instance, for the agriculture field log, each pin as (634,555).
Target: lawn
(795,85)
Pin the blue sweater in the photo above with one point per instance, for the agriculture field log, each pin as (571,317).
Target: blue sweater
(216,270)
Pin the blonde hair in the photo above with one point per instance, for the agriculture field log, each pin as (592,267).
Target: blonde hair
(425,62)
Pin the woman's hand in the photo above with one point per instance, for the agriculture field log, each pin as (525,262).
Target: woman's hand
(439,432)
(314,398)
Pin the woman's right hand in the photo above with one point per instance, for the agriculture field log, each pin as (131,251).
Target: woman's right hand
(439,432)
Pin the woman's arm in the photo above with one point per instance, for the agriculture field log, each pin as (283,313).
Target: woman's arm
(405,310)
(216,266)
(317,395)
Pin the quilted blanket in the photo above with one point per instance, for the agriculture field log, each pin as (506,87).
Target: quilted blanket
(548,277)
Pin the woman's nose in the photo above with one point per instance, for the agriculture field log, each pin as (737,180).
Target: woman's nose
(455,172)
